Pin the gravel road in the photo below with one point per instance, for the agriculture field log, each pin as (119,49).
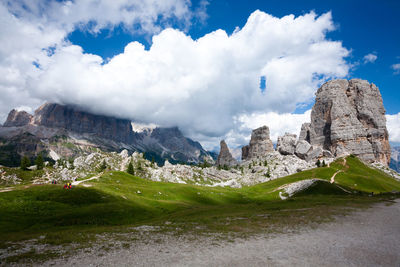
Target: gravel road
(364,238)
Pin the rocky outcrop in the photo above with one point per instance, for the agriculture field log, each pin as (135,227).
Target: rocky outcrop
(260,144)
(225,157)
(305,132)
(17,118)
(286,144)
(348,117)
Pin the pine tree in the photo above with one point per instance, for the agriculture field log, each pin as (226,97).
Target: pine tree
(323,163)
(25,163)
(144,155)
(139,165)
(130,169)
(39,162)
(103,166)
(318,163)
(152,162)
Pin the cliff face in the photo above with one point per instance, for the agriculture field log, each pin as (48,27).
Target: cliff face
(72,119)
(349,117)
(17,118)
(70,131)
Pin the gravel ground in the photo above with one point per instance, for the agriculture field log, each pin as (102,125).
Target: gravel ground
(364,238)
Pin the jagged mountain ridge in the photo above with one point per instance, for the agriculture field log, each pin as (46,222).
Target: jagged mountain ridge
(395,159)
(69,131)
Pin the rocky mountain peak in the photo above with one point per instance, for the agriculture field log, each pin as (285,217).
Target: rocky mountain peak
(348,117)
(225,157)
(260,144)
(17,118)
(73,119)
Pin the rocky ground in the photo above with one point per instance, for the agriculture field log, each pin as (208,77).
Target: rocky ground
(364,238)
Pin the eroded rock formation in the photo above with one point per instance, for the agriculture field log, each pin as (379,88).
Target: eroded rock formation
(225,157)
(348,117)
(260,144)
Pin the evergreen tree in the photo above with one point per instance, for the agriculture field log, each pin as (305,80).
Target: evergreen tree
(103,165)
(144,155)
(25,163)
(152,162)
(139,165)
(268,173)
(323,163)
(130,169)
(265,163)
(318,163)
(39,162)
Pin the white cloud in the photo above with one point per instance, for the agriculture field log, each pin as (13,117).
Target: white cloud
(393,126)
(30,30)
(148,16)
(370,58)
(278,124)
(199,85)
(396,68)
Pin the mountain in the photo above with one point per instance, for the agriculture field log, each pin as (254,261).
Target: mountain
(395,159)
(67,131)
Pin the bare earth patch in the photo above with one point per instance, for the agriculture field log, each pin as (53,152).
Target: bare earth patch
(364,238)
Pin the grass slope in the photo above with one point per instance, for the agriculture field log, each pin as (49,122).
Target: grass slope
(118,200)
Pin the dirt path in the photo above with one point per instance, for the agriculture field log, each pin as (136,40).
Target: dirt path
(6,189)
(364,238)
(333,176)
(91,178)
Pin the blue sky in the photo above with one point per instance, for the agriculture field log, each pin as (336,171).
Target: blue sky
(216,69)
(363,26)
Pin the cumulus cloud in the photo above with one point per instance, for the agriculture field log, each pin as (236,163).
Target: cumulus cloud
(396,68)
(278,124)
(148,16)
(209,87)
(393,126)
(32,30)
(370,58)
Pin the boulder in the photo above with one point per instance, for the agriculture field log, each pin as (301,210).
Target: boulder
(302,149)
(286,144)
(315,153)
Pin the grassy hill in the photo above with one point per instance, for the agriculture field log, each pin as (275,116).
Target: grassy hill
(118,200)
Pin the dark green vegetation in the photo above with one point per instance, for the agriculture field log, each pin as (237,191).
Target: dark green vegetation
(118,201)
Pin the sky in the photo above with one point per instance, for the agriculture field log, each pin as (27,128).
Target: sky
(216,69)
